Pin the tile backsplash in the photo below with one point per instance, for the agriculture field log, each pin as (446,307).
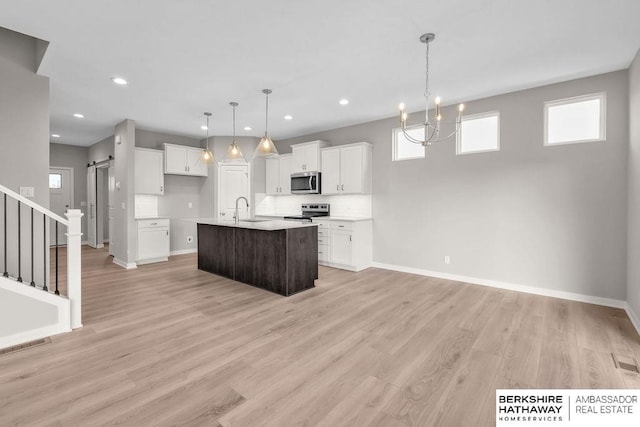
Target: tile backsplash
(146,206)
(343,205)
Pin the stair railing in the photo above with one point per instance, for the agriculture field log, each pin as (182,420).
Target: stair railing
(13,208)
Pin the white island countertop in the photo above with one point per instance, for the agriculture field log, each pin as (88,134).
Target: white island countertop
(269,225)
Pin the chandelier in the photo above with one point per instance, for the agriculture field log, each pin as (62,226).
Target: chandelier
(431,125)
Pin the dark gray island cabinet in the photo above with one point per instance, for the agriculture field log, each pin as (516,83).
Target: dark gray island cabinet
(279,256)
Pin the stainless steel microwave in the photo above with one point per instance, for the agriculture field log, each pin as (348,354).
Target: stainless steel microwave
(305,183)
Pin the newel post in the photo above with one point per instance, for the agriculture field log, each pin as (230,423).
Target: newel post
(74,266)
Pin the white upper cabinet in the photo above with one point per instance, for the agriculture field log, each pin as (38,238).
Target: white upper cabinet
(183,160)
(331,170)
(278,175)
(306,156)
(272,179)
(347,169)
(149,176)
(285,174)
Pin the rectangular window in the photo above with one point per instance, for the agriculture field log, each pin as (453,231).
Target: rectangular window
(573,120)
(479,133)
(404,149)
(55,180)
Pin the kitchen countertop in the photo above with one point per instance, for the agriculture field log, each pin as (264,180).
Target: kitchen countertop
(270,225)
(346,218)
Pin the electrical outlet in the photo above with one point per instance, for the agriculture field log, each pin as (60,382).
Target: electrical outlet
(190,205)
(447,259)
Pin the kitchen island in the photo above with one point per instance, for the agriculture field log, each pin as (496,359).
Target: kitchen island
(278,256)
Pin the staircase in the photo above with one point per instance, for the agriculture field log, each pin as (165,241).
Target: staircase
(34,302)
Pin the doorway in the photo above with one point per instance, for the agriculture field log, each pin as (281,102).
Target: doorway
(100,187)
(233,182)
(60,199)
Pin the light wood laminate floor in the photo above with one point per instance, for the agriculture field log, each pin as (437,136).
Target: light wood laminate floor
(167,344)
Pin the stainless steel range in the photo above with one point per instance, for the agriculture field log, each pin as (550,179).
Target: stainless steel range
(309,211)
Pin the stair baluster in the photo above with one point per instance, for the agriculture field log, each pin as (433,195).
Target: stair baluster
(19,244)
(57,291)
(5,274)
(44,241)
(33,283)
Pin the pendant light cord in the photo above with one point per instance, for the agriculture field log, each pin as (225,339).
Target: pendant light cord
(426,85)
(266,117)
(234,124)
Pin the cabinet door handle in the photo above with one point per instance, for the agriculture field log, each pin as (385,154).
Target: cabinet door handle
(341,226)
(342,187)
(350,239)
(154,223)
(167,232)
(161,189)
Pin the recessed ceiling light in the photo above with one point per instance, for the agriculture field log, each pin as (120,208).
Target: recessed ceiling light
(79,116)
(288,117)
(344,101)
(55,135)
(204,127)
(119,81)
(247,128)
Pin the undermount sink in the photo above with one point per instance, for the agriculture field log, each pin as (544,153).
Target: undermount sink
(254,220)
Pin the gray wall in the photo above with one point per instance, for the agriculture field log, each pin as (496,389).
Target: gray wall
(633,217)
(24,133)
(73,156)
(549,217)
(101,150)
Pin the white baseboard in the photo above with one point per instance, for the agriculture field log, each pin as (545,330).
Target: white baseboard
(608,302)
(128,266)
(184,251)
(635,319)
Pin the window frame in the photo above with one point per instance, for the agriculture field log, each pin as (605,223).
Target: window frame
(394,146)
(602,96)
(478,116)
(55,188)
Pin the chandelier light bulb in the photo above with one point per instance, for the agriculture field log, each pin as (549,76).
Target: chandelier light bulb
(404,117)
(401,106)
(461,108)
(438,100)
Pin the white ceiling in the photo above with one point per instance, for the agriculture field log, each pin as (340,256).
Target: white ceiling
(182,58)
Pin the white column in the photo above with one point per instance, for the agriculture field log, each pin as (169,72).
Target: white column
(74,266)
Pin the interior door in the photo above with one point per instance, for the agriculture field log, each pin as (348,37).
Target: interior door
(233,182)
(91,207)
(60,199)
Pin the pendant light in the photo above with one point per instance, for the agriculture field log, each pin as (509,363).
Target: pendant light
(207,154)
(266,147)
(233,151)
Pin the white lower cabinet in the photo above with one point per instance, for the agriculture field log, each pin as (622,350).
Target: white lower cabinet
(153,240)
(345,244)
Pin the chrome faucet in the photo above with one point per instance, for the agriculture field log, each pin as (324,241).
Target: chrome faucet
(236,217)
